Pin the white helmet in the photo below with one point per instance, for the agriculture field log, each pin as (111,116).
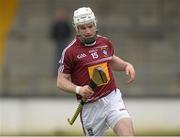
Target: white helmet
(82,16)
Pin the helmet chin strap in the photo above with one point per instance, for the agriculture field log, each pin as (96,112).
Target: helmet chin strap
(89,41)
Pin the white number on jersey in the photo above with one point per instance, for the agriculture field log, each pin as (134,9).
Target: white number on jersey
(94,55)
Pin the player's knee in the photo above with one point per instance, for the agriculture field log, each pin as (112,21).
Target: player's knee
(124,127)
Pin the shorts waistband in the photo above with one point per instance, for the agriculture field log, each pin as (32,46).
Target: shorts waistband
(104,96)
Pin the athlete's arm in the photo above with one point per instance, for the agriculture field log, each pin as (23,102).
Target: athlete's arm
(119,64)
(64,83)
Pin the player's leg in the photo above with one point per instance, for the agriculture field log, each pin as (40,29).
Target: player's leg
(124,127)
(93,119)
(118,117)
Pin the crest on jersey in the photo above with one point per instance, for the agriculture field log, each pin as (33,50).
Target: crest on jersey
(104,68)
(105,52)
(90,131)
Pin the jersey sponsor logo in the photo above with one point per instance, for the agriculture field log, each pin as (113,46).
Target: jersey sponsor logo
(82,55)
(93,50)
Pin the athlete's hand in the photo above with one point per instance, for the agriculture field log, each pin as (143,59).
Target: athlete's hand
(131,72)
(86,92)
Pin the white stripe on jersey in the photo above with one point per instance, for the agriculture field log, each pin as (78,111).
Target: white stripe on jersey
(61,61)
(102,37)
(63,53)
(61,68)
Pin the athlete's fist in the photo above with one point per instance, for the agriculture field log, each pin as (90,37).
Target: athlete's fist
(86,92)
(131,72)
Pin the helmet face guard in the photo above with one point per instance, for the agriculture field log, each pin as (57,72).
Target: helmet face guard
(89,41)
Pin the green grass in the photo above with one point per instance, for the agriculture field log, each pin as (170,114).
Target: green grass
(109,133)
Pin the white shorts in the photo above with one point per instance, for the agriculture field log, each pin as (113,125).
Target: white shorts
(98,116)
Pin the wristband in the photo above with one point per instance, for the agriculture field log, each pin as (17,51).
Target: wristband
(77,90)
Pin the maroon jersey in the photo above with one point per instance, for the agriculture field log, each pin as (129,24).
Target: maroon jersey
(79,61)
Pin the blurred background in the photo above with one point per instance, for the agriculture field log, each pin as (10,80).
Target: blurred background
(145,33)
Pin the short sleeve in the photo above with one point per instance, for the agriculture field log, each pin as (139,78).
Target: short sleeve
(111,49)
(66,62)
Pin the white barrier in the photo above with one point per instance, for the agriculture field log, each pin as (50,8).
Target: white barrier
(27,116)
